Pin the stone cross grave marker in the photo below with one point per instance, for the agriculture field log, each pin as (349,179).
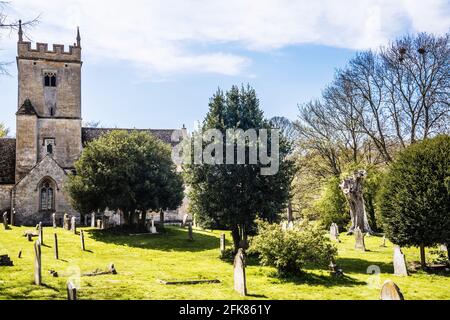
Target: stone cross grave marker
(400,268)
(55,246)
(54,221)
(222,244)
(73,225)
(41,233)
(240,285)
(5,220)
(37,263)
(71,291)
(359,240)
(83,248)
(391,291)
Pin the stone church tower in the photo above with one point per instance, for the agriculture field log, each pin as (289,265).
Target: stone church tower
(35,166)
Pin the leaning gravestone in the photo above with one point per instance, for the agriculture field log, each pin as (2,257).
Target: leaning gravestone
(334,232)
(73,225)
(359,240)
(71,291)
(5,220)
(66,222)
(391,291)
(222,245)
(54,221)
(37,264)
(240,284)
(400,268)
(41,233)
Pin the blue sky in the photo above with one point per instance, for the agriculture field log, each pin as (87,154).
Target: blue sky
(155,64)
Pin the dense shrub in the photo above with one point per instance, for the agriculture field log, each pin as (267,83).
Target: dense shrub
(415,200)
(290,251)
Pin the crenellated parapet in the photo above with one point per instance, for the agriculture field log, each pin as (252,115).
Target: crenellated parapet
(42,52)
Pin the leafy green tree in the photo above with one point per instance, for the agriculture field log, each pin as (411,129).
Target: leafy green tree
(3,130)
(414,200)
(291,250)
(235,195)
(332,206)
(127,171)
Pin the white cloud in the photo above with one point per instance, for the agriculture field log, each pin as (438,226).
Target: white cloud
(171,36)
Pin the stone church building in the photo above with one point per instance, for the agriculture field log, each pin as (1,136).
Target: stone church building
(49,134)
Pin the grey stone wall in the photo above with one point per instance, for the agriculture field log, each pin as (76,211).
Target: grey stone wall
(5,197)
(26,144)
(27,192)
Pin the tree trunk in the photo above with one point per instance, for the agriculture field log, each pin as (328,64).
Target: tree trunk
(289,212)
(353,190)
(423,262)
(236,238)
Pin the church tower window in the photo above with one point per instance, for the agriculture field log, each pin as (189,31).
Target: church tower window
(47,200)
(49,145)
(50,79)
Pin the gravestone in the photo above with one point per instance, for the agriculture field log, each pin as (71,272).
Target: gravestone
(73,225)
(284,225)
(5,220)
(66,222)
(82,241)
(71,291)
(5,261)
(391,291)
(240,285)
(222,245)
(41,233)
(153,228)
(400,268)
(191,236)
(93,220)
(335,271)
(185,217)
(359,240)
(55,246)
(99,224)
(334,232)
(290,225)
(37,264)
(383,245)
(54,220)
(13,217)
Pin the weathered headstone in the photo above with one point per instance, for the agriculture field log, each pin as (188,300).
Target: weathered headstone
(85,220)
(222,245)
(82,241)
(240,284)
(55,246)
(93,220)
(400,268)
(37,264)
(41,233)
(359,240)
(290,225)
(284,226)
(391,291)
(54,221)
(153,228)
(191,235)
(99,224)
(66,222)
(383,245)
(335,270)
(334,232)
(5,220)
(71,291)
(185,218)
(73,225)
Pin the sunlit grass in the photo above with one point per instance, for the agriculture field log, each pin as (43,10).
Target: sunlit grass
(142,260)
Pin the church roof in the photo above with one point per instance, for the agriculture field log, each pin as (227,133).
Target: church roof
(26,109)
(90,134)
(7,160)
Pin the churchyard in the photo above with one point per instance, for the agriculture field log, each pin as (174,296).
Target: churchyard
(145,262)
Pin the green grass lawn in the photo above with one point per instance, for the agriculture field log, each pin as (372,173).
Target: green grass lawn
(142,260)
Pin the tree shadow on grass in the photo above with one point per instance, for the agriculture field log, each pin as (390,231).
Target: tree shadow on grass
(313,279)
(173,239)
(353,265)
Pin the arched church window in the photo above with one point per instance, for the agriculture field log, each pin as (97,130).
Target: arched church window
(47,202)
(50,79)
(50,149)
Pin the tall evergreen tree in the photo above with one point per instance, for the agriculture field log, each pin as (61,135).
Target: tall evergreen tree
(233,196)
